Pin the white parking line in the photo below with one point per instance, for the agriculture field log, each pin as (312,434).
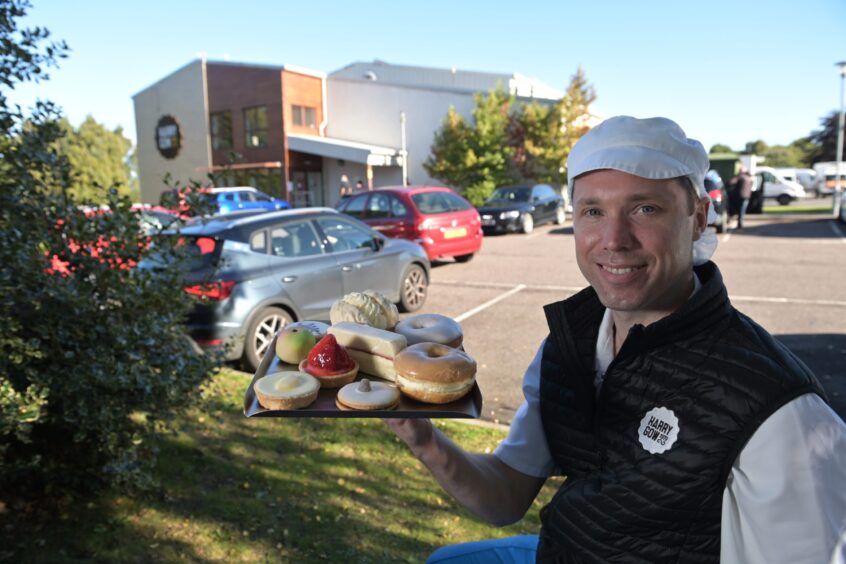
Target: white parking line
(489,303)
(802,301)
(574,289)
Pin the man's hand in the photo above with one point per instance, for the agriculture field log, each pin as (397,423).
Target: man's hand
(415,433)
(482,483)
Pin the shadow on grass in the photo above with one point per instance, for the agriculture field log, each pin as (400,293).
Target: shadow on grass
(304,490)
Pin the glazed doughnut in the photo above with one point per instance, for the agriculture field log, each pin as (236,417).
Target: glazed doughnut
(430,328)
(367,395)
(286,390)
(434,373)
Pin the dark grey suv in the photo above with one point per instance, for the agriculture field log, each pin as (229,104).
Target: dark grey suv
(252,274)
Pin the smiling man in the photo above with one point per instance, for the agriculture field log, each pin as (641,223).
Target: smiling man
(686,432)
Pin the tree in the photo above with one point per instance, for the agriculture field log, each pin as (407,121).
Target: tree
(756,147)
(824,139)
(93,359)
(543,136)
(509,142)
(475,158)
(720,148)
(97,158)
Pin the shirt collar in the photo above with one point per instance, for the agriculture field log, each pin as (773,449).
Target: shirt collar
(605,339)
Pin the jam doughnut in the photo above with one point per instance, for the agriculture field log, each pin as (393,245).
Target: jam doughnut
(430,328)
(434,373)
(367,395)
(286,390)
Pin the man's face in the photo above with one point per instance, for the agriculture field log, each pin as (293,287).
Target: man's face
(634,241)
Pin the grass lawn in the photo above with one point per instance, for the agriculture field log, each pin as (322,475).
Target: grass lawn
(291,490)
(799,208)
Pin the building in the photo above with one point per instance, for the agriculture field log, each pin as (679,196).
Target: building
(300,134)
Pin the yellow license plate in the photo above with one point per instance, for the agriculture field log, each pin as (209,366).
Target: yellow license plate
(455,233)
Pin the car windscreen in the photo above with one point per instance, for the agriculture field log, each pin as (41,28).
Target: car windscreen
(510,195)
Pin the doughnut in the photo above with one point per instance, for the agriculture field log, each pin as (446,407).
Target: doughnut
(286,390)
(430,328)
(434,373)
(367,395)
(367,308)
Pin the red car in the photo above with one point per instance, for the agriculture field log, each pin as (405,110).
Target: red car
(438,219)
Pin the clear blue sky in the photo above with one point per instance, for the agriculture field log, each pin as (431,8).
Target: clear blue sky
(728,71)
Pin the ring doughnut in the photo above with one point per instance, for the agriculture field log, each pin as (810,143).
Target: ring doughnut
(367,395)
(430,328)
(286,390)
(434,373)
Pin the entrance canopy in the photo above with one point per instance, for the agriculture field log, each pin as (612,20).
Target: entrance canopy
(372,155)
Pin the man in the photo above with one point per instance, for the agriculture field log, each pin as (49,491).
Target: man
(686,432)
(741,187)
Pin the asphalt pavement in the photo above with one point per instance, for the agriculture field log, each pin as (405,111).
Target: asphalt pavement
(786,272)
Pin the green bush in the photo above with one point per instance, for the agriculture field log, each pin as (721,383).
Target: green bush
(94,363)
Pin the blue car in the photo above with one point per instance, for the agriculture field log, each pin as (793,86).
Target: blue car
(238,198)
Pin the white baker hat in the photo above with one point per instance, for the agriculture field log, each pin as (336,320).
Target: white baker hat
(653,148)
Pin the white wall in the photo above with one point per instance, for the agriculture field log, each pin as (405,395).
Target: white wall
(369,112)
(181,95)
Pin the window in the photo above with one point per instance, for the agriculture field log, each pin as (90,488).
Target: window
(355,206)
(344,236)
(379,206)
(398,208)
(257,242)
(431,202)
(296,239)
(221,130)
(255,126)
(304,116)
(544,192)
(456,202)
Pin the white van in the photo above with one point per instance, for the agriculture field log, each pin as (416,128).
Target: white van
(777,186)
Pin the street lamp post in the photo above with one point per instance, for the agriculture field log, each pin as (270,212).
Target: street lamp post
(838,190)
(403,151)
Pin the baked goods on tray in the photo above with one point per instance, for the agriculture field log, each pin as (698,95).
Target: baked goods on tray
(362,365)
(330,364)
(434,373)
(367,395)
(286,390)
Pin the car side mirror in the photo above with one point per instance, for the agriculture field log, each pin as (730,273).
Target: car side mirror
(378,243)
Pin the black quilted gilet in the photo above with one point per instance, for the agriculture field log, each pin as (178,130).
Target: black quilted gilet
(719,374)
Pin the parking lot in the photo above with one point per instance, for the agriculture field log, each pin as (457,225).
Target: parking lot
(787,273)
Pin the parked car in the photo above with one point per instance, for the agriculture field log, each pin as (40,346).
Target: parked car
(776,186)
(223,200)
(441,221)
(520,208)
(719,199)
(244,198)
(252,274)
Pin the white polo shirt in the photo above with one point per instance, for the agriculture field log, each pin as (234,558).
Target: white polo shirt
(785,498)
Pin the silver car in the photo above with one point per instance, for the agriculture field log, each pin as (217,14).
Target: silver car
(252,274)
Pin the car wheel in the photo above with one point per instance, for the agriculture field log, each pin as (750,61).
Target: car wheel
(784,199)
(464,258)
(415,285)
(264,325)
(527,224)
(560,216)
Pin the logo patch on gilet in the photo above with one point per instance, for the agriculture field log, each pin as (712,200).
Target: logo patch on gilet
(658,430)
